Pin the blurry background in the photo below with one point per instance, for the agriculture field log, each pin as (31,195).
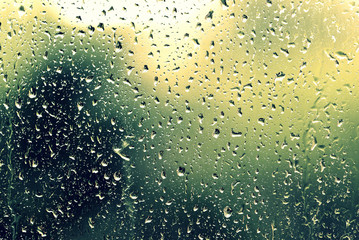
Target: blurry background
(179,120)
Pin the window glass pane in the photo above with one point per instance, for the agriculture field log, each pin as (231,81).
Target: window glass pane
(156,119)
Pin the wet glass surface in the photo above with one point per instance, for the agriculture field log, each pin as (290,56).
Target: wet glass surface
(210,119)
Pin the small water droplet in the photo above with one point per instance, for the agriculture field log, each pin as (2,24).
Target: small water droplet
(117,176)
(181,171)
(216,133)
(227,211)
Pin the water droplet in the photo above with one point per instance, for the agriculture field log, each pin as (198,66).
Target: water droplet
(181,171)
(216,133)
(227,211)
